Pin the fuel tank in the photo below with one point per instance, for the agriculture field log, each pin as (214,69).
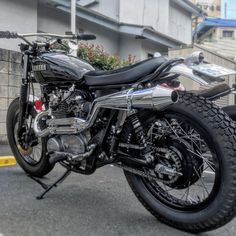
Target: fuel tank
(57,68)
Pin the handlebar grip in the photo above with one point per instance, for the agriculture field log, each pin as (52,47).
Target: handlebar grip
(8,34)
(86,37)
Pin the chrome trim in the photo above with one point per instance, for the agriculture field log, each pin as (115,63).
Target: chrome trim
(37,130)
(184,70)
(152,98)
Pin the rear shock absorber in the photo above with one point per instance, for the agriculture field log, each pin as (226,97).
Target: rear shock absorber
(139,133)
(138,130)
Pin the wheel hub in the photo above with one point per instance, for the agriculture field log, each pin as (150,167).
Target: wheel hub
(184,168)
(23,151)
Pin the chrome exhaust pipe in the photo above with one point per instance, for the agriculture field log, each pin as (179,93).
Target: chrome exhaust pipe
(152,98)
(156,98)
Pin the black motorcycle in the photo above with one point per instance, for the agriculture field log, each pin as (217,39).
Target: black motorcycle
(176,148)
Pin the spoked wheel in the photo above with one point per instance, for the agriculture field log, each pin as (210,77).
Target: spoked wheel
(194,166)
(184,150)
(31,156)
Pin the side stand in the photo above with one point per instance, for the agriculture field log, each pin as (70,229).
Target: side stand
(48,187)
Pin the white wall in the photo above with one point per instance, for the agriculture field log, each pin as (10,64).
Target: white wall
(56,21)
(52,20)
(18,16)
(107,38)
(59,22)
(108,8)
(150,47)
(163,15)
(180,24)
(130,45)
(153,13)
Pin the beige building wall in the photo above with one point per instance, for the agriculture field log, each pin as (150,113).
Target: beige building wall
(219,34)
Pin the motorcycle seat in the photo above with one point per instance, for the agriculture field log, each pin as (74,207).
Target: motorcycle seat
(125,75)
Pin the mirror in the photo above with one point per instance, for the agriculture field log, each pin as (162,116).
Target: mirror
(195,58)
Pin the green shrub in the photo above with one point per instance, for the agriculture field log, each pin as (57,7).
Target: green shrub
(97,56)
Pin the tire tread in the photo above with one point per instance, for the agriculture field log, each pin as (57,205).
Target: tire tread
(216,119)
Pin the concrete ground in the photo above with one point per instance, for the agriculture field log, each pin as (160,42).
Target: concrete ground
(97,205)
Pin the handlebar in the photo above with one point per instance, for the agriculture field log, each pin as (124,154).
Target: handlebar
(86,37)
(61,36)
(8,35)
(13,35)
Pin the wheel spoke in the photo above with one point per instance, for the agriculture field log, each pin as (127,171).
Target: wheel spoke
(36,153)
(196,188)
(204,159)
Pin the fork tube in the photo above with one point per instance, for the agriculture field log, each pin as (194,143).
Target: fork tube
(23,94)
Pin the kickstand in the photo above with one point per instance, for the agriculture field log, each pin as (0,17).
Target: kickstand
(48,187)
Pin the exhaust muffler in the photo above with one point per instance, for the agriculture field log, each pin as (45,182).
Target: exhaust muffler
(156,98)
(152,98)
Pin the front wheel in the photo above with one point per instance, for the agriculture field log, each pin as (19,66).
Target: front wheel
(33,159)
(194,140)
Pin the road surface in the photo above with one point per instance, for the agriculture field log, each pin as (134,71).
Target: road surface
(97,205)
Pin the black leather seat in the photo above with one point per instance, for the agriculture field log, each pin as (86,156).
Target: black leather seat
(126,75)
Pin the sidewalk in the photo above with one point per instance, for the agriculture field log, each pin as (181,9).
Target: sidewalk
(5,150)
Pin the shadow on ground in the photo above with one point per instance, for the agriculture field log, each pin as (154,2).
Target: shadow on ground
(101,204)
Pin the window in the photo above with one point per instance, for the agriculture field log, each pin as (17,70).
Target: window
(228,34)
(212,8)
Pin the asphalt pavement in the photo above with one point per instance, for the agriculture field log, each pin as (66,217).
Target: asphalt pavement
(98,205)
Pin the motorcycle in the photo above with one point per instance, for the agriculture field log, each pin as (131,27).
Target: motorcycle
(176,148)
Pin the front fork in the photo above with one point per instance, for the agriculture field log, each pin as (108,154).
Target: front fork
(23,101)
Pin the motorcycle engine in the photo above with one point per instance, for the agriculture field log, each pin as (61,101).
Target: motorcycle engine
(65,104)
(73,144)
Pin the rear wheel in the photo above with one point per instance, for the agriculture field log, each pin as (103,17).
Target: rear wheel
(194,141)
(33,158)
(230,111)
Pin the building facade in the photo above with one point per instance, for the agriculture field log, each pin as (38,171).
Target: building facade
(218,34)
(211,7)
(225,9)
(138,27)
